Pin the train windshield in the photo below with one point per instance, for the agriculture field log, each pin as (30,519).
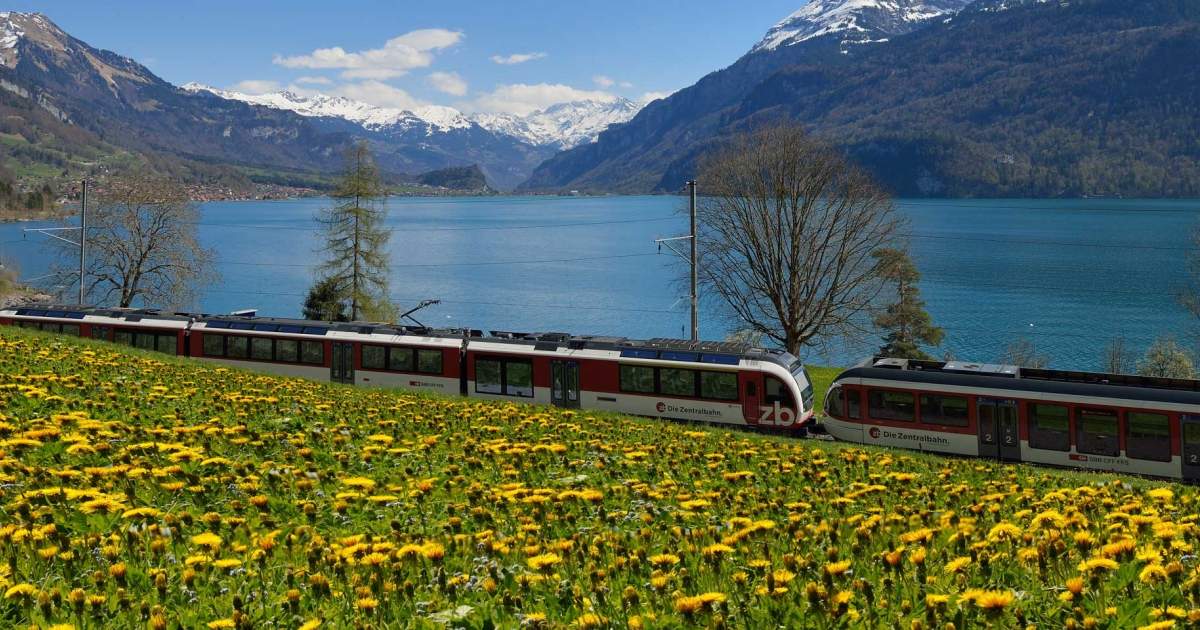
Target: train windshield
(800,375)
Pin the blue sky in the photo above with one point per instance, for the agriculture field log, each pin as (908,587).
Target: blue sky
(443,52)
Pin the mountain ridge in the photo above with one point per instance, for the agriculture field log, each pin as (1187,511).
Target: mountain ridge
(1006,98)
(559,126)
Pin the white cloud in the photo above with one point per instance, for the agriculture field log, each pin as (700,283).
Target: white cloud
(255,86)
(625,84)
(314,80)
(523,99)
(448,82)
(603,81)
(379,94)
(653,96)
(515,58)
(397,56)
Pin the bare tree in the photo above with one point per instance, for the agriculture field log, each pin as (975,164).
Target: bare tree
(142,246)
(1117,357)
(355,248)
(787,229)
(1022,353)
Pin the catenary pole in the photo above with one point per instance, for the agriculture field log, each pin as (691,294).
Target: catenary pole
(695,305)
(82,236)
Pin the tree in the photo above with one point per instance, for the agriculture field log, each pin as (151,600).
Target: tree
(1022,353)
(787,229)
(907,323)
(325,303)
(142,246)
(1117,358)
(356,256)
(1165,358)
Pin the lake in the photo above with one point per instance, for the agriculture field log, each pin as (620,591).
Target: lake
(1067,275)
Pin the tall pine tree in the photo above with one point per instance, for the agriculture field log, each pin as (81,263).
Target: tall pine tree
(906,323)
(356,257)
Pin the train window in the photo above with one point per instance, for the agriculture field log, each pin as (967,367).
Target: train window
(1191,430)
(430,362)
(1096,432)
(237,347)
(374,357)
(719,385)
(1148,436)
(946,410)
(214,345)
(833,402)
(518,378)
(101,332)
(166,344)
(637,379)
(142,340)
(887,405)
(488,377)
(33,325)
(853,404)
(677,382)
(312,352)
(287,350)
(261,349)
(777,392)
(1049,427)
(49,327)
(123,337)
(70,329)
(400,359)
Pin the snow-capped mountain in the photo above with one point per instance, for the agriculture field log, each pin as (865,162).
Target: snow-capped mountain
(560,126)
(856,21)
(436,118)
(564,125)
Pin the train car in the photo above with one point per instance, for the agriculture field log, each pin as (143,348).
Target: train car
(352,353)
(665,378)
(1141,425)
(139,328)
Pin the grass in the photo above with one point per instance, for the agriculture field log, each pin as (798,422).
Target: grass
(146,491)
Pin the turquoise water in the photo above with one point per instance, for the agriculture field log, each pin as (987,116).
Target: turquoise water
(1067,275)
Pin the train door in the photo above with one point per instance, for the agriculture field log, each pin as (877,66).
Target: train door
(1191,448)
(999,418)
(750,401)
(341,368)
(564,384)
(989,434)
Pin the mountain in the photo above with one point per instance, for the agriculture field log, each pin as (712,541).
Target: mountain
(456,178)
(110,110)
(565,125)
(856,21)
(560,126)
(1001,98)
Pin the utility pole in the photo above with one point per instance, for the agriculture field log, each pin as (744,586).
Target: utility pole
(695,306)
(691,258)
(82,236)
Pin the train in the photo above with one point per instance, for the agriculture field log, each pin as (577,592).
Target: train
(712,382)
(1085,420)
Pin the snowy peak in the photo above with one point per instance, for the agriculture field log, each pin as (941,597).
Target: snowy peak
(438,119)
(559,126)
(856,21)
(16,28)
(564,125)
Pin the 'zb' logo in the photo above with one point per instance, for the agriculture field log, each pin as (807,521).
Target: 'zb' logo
(874,433)
(777,416)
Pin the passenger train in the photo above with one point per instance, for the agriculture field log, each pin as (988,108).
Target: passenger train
(665,378)
(1141,425)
